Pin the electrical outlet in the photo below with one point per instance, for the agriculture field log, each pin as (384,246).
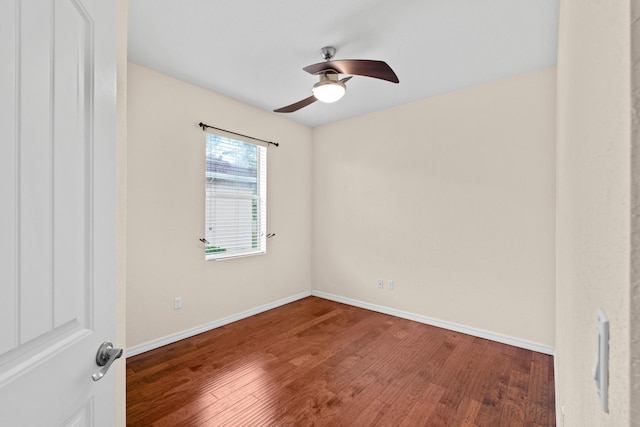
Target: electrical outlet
(380,284)
(177,303)
(391,285)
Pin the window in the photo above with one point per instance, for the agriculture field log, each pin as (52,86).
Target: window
(236,198)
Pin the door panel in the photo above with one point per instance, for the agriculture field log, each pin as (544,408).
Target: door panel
(72,166)
(57,217)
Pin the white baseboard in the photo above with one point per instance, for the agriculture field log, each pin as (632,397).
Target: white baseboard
(480,333)
(169,339)
(151,345)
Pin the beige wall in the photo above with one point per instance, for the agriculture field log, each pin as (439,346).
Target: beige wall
(634,320)
(165,210)
(593,206)
(453,198)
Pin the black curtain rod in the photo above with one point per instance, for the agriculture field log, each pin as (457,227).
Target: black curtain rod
(204,128)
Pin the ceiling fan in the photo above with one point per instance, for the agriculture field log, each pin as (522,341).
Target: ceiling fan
(330,88)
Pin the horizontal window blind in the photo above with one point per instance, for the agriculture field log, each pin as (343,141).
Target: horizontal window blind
(236,192)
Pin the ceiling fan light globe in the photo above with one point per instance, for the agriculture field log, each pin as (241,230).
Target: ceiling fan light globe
(329,91)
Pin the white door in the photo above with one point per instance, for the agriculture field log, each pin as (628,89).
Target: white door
(57,119)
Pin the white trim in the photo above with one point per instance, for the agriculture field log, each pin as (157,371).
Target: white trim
(169,339)
(480,333)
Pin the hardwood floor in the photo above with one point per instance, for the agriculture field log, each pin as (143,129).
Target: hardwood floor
(318,362)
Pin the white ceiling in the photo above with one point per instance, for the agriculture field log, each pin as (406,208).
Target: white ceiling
(254,50)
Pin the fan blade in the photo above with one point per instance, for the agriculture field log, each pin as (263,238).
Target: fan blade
(301,104)
(297,105)
(358,67)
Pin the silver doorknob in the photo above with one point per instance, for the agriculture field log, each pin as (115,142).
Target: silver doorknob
(106,355)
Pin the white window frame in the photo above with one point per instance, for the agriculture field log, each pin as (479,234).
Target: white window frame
(225,237)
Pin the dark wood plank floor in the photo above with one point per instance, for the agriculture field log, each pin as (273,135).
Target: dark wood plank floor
(318,362)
